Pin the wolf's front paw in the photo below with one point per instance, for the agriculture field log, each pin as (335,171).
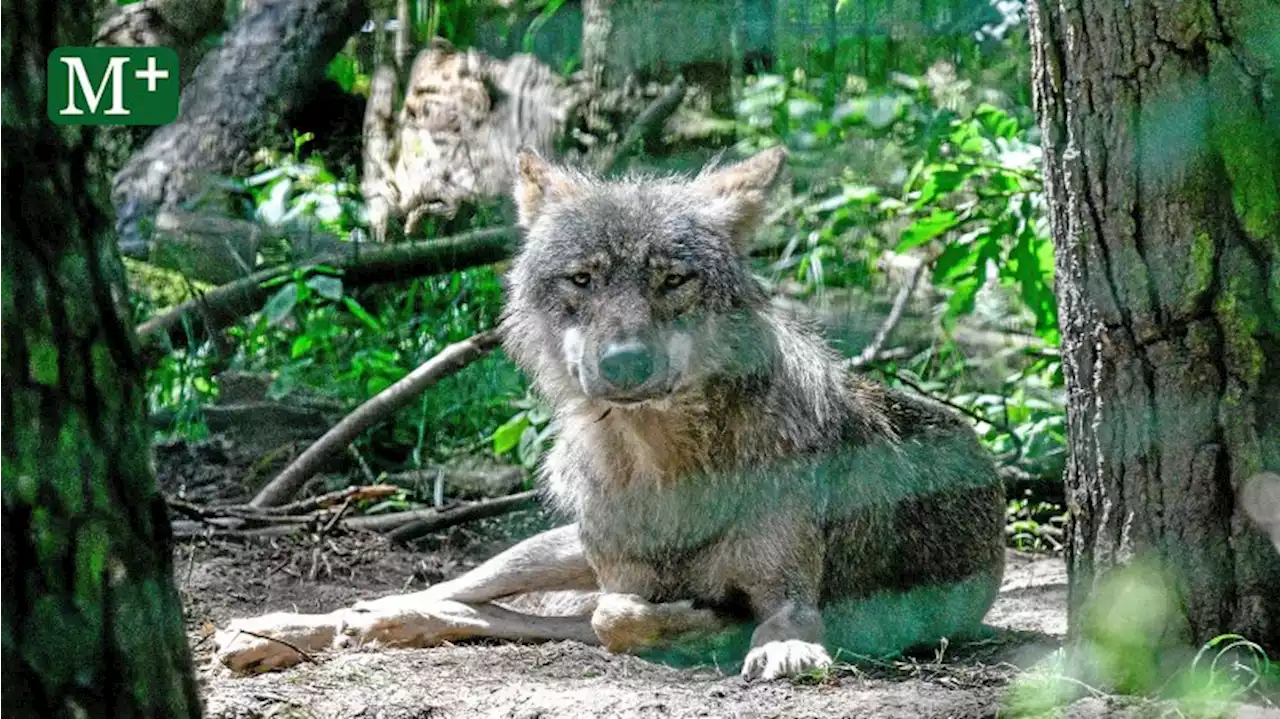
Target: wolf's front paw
(273,641)
(405,621)
(789,658)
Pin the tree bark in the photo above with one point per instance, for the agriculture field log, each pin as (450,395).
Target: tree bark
(92,622)
(597,34)
(1163,178)
(238,94)
(180,25)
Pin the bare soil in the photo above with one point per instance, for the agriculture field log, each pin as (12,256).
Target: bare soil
(221,580)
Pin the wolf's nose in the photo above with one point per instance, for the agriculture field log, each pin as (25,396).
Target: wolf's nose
(626,365)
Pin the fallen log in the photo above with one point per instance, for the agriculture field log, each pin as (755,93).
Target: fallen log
(361,264)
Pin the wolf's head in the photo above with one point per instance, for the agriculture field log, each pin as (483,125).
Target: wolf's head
(635,290)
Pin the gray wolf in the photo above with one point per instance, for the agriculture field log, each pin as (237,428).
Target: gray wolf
(737,494)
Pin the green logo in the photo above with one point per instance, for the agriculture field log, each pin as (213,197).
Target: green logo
(113,85)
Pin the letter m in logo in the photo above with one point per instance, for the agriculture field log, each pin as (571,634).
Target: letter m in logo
(112,86)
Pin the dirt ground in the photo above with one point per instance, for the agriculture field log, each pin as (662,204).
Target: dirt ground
(221,580)
(224,579)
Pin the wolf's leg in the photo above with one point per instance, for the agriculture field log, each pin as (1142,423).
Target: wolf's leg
(629,623)
(783,590)
(788,642)
(550,561)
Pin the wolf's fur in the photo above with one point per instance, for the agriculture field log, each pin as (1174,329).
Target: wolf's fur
(750,493)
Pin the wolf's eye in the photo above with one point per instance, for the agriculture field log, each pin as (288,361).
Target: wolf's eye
(674,281)
(581,279)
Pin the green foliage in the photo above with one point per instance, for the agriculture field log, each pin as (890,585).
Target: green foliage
(528,432)
(966,181)
(314,333)
(927,169)
(290,190)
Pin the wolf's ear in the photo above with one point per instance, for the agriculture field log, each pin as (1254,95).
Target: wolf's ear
(537,182)
(741,191)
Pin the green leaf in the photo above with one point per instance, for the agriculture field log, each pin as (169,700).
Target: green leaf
(530,448)
(263,178)
(301,346)
(927,228)
(281,304)
(274,281)
(360,312)
(963,299)
(507,437)
(327,287)
(273,210)
(376,384)
(954,261)
(941,183)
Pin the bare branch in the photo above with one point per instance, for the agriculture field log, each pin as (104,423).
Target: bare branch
(385,403)
(873,350)
(362,265)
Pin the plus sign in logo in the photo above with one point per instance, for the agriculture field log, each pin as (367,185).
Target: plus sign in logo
(113,86)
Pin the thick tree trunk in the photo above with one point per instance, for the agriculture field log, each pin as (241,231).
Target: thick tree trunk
(180,25)
(92,622)
(1164,181)
(238,94)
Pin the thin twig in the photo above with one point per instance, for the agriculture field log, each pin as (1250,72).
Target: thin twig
(278,640)
(953,405)
(364,466)
(873,350)
(460,515)
(336,516)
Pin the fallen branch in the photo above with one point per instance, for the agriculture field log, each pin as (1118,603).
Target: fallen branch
(449,360)
(303,512)
(873,350)
(324,501)
(460,515)
(399,526)
(361,265)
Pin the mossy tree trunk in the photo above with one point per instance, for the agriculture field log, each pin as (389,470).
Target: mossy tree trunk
(1162,168)
(92,624)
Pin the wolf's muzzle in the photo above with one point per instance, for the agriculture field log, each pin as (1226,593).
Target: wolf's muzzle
(627,365)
